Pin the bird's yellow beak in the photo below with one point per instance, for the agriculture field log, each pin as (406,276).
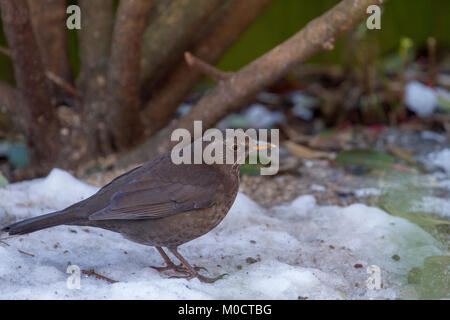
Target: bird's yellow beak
(262,145)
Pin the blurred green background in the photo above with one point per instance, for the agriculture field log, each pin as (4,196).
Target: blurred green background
(415,19)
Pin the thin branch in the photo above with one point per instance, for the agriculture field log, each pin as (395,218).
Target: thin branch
(48,19)
(63,84)
(218,37)
(230,95)
(123,71)
(57,80)
(25,253)
(91,272)
(206,69)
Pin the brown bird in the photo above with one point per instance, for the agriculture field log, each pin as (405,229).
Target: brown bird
(159,204)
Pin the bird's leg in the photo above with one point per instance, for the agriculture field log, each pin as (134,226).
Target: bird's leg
(191,271)
(169,264)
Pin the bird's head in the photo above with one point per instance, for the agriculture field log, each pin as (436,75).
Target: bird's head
(231,147)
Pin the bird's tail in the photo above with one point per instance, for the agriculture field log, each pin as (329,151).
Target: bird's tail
(41,222)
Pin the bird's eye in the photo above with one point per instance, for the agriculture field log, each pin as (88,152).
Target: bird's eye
(235,147)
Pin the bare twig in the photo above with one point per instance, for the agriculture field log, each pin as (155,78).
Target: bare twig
(63,84)
(123,72)
(206,68)
(218,37)
(42,129)
(48,18)
(91,272)
(5,243)
(26,253)
(11,237)
(57,80)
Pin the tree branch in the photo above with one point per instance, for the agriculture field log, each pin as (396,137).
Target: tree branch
(223,32)
(206,69)
(167,37)
(62,84)
(43,128)
(48,19)
(5,51)
(123,72)
(57,80)
(94,37)
(319,34)
(11,104)
(94,44)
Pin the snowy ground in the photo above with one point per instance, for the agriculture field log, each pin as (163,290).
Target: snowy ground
(300,250)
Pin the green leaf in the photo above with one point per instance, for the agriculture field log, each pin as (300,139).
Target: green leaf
(3,181)
(249,170)
(370,159)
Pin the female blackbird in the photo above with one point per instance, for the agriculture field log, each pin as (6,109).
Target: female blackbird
(160,203)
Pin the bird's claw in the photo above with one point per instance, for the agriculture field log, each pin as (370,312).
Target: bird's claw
(200,277)
(176,268)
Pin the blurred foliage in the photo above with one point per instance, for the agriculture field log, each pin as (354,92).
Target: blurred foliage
(363,160)
(249,168)
(367,158)
(414,19)
(3,181)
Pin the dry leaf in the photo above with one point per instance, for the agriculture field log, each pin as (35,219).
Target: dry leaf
(307,153)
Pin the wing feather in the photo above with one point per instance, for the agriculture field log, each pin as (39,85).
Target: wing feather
(153,196)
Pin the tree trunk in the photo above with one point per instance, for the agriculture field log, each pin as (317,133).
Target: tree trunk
(42,127)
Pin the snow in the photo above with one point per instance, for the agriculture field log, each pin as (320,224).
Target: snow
(437,206)
(300,249)
(318,187)
(424,100)
(255,116)
(440,159)
(366,192)
(420,98)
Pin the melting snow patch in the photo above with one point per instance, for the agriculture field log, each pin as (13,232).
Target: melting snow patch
(367,192)
(296,250)
(440,159)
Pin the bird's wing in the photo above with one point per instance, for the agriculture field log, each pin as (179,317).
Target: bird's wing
(159,193)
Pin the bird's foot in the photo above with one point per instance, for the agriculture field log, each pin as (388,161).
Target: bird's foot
(177,268)
(189,271)
(172,267)
(203,279)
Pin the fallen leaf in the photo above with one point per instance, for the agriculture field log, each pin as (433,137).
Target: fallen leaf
(307,153)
